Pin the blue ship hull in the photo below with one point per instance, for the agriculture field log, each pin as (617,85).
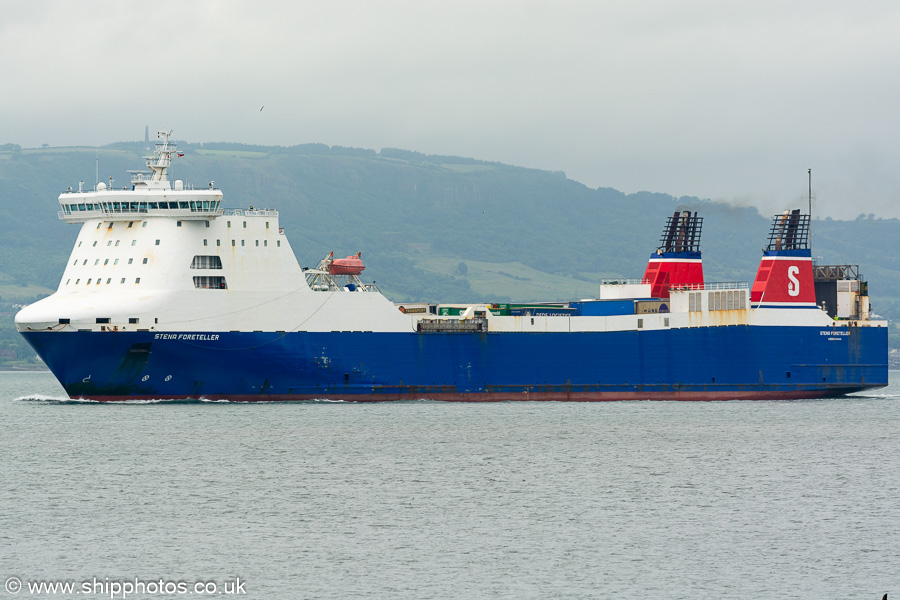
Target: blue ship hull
(733,362)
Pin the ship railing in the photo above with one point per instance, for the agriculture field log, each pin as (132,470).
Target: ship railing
(623,281)
(253,212)
(712,285)
(118,212)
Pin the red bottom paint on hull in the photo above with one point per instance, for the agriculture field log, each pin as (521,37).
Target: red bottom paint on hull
(498,397)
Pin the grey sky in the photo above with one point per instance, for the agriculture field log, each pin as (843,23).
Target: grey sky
(727,100)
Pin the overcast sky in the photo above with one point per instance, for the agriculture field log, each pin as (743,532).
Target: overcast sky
(725,100)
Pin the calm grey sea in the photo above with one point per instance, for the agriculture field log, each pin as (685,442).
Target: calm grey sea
(797,499)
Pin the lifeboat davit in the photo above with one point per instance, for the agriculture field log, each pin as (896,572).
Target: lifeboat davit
(352,265)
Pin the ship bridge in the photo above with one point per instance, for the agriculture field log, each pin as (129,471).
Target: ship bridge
(150,194)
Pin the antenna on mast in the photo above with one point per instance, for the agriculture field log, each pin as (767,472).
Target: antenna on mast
(809,173)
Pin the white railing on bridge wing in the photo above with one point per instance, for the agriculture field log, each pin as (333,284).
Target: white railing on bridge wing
(713,285)
(253,212)
(622,281)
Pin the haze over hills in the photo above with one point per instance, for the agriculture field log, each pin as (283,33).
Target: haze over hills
(435,228)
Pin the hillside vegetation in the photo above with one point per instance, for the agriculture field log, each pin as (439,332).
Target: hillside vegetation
(435,228)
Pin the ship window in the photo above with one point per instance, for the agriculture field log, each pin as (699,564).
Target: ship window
(207,223)
(157,242)
(229,223)
(103,319)
(218,242)
(232,243)
(108,280)
(133,320)
(77,281)
(64,321)
(257,242)
(130,260)
(183,205)
(242,242)
(130,223)
(267,224)
(79,244)
(96,262)
(98,224)
(666,322)
(98,281)
(84,263)
(75,263)
(265,242)
(640,323)
(133,242)
(144,224)
(95,244)
(278,243)
(110,225)
(206,262)
(117,242)
(109,243)
(164,205)
(245,224)
(105,262)
(115,262)
(154,205)
(89,282)
(137,280)
(123,280)
(178,223)
(743,300)
(210,282)
(145,261)
(67,281)
(204,243)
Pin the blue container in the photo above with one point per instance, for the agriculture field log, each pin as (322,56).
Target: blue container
(604,308)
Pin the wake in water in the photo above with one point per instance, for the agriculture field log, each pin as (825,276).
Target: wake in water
(44,399)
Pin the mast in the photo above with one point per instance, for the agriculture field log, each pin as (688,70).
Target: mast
(809,173)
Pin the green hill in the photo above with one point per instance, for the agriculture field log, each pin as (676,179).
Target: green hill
(520,234)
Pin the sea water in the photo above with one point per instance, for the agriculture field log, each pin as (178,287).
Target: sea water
(774,499)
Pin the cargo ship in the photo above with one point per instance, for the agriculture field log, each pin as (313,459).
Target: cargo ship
(169,295)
